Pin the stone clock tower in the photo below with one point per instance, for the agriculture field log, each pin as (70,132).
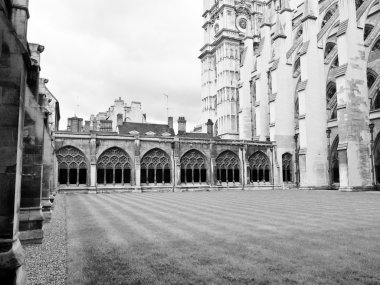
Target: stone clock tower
(230,33)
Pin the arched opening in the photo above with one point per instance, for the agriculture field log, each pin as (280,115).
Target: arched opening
(297,68)
(287,168)
(299,33)
(367,30)
(371,78)
(376,153)
(72,166)
(335,64)
(358,3)
(329,47)
(114,167)
(156,168)
(228,167)
(334,162)
(329,14)
(193,167)
(259,167)
(331,98)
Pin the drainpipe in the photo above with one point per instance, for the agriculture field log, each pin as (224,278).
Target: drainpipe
(328,132)
(371,127)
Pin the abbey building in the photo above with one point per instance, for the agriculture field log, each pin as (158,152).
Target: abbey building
(303,77)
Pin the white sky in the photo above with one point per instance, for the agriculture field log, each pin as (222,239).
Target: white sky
(97,51)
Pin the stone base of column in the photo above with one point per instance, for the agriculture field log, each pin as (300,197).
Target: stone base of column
(31,222)
(46,209)
(137,189)
(357,188)
(305,188)
(11,262)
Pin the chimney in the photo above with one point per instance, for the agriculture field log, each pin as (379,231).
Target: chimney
(210,128)
(119,119)
(181,125)
(170,122)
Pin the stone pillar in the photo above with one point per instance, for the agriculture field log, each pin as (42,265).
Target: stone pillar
(47,175)
(263,58)
(92,180)
(353,105)
(31,218)
(12,96)
(177,165)
(312,106)
(137,176)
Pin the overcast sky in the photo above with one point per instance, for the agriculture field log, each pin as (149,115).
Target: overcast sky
(97,51)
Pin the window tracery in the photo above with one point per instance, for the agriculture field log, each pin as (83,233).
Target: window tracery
(259,166)
(72,166)
(228,167)
(329,14)
(193,167)
(287,166)
(114,167)
(155,167)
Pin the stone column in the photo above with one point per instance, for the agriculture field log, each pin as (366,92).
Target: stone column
(47,175)
(92,180)
(31,218)
(312,105)
(353,105)
(12,95)
(137,176)
(212,174)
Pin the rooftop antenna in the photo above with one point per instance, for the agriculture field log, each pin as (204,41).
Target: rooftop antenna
(167,105)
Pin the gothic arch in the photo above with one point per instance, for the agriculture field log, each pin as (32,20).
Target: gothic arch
(328,48)
(193,167)
(156,167)
(259,167)
(297,67)
(114,167)
(228,167)
(287,167)
(330,12)
(72,166)
(334,162)
(376,154)
(299,33)
(331,97)
(367,30)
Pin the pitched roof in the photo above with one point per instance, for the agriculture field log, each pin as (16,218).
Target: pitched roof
(145,129)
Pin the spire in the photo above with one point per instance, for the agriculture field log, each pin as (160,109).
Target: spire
(278,31)
(267,19)
(285,6)
(308,12)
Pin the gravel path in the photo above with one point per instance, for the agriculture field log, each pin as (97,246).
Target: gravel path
(46,263)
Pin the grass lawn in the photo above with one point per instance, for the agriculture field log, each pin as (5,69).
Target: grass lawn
(257,237)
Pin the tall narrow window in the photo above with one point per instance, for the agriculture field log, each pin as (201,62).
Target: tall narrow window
(287,166)
(72,166)
(334,162)
(114,167)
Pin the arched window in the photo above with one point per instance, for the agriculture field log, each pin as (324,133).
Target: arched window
(367,30)
(114,167)
(259,167)
(228,167)
(329,47)
(331,100)
(297,67)
(155,167)
(376,154)
(371,78)
(376,46)
(329,14)
(299,33)
(358,3)
(334,162)
(287,166)
(193,168)
(72,166)
(335,64)
(376,101)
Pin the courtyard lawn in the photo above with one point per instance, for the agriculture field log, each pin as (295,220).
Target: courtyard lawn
(258,237)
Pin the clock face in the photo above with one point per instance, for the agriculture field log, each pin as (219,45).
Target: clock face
(242,23)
